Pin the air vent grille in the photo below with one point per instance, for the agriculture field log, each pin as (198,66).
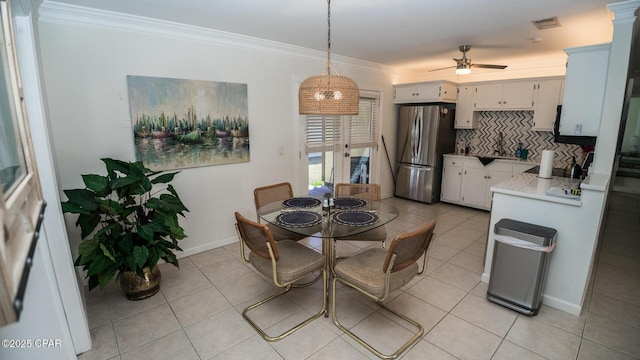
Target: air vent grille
(547,23)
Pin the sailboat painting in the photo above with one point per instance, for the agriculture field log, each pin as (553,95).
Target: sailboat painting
(180,124)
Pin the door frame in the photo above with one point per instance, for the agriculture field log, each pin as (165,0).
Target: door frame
(300,158)
(67,282)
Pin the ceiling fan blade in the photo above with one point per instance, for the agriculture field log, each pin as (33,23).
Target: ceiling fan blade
(489,66)
(448,67)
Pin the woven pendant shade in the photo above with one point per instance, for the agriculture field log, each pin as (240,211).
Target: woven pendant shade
(328,95)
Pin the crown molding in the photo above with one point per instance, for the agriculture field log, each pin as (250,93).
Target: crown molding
(624,11)
(67,14)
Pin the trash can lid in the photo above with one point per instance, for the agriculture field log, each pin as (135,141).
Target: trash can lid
(515,228)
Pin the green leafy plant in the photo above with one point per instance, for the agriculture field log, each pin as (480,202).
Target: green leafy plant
(128,220)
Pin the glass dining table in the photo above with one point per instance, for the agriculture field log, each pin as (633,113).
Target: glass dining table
(328,219)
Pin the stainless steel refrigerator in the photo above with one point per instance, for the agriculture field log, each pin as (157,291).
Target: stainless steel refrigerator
(425,133)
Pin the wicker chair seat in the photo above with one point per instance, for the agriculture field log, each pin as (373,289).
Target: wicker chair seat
(296,261)
(280,234)
(363,270)
(375,234)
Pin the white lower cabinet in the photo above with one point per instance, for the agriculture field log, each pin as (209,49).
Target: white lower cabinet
(493,178)
(451,180)
(473,193)
(466,181)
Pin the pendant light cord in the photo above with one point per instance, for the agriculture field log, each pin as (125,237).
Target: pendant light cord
(329,37)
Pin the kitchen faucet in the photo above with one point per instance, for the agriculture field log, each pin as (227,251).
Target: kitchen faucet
(500,148)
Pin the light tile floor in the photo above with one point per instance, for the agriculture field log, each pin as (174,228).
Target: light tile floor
(197,315)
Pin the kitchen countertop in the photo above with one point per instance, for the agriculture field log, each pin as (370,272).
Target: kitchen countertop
(532,186)
(596,182)
(503,158)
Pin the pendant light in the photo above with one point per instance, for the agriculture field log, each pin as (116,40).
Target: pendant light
(329,93)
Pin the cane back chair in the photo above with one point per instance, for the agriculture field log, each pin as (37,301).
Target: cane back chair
(376,273)
(366,192)
(284,261)
(269,194)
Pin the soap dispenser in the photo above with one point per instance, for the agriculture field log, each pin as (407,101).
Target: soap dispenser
(519,150)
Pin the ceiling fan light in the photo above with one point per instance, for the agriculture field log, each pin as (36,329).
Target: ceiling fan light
(463,69)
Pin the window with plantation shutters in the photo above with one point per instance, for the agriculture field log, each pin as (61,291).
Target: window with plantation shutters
(363,125)
(323,133)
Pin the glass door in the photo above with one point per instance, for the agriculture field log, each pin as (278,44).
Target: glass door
(341,148)
(323,150)
(361,143)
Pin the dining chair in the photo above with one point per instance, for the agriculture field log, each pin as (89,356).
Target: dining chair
(285,262)
(367,192)
(376,273)
(363,191)
(269,194)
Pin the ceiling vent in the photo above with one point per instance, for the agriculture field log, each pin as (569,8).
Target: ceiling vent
(547,23)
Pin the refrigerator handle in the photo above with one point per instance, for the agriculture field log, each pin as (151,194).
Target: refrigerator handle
(416,133)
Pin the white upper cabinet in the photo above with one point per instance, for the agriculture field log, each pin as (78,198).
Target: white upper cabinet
(548,96)
(584,90)
(517,95)
(465,117)
(487,97)
(439,91)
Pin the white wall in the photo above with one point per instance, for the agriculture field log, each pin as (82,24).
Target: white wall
(87,57)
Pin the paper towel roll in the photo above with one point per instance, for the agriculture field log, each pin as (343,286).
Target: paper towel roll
(542,186)
(546,164)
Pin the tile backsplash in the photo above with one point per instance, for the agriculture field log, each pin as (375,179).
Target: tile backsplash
(516,126)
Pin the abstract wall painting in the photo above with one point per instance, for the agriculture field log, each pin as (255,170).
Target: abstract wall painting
(180,124)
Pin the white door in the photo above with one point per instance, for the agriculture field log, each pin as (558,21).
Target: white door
(342,149)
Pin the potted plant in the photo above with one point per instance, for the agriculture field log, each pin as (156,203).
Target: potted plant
(128,221)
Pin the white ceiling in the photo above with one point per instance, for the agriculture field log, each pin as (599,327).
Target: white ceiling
(413,34)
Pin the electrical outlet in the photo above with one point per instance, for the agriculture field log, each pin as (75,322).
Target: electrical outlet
(578,129)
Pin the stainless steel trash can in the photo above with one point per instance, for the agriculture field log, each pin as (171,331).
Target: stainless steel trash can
(520,255)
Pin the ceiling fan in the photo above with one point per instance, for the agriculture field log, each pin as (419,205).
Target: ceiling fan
(463,65)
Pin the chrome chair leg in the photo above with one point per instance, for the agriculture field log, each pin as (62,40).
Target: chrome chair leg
(362,342)
(281,336)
